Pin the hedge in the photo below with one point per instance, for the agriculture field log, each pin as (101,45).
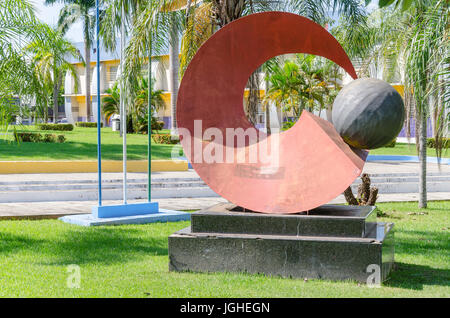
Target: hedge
(87,124)
(164,139)
(61,127)
(38,137)
(431,143)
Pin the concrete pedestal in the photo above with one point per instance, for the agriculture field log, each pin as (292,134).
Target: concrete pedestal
(331,242)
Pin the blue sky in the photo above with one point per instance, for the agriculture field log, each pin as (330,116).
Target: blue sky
(49,14)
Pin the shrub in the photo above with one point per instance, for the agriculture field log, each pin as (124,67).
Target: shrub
(87,124)
(62,127)
(431,143)
(391,144)
(288,124)
(37,137)
(157,125)
(49,138)
(28,137)
(164,139)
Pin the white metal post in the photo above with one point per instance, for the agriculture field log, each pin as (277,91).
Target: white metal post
(122,104)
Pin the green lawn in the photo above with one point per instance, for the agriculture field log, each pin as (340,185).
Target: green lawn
(402,149)
(132,261)
(81,144)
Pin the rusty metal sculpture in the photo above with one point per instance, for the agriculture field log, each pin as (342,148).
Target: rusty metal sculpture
(314,165)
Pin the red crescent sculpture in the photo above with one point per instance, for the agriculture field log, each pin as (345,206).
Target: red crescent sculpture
(313,166)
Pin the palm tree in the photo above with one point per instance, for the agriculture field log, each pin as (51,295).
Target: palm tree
(411,39)
(111,102)
(50,56)
(306,82)
(141,100)
(157,21)
(136,112)
(426,62)
(285,82)
(16,20)
(18,26)
(141,105)
(72,12)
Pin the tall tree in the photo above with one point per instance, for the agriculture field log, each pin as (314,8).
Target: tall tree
(426,61)
(411,38)
(50,52)
(199,20)
(72,12)
(18,25)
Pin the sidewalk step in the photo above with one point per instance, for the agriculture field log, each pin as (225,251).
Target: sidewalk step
(78,186)
(107,194)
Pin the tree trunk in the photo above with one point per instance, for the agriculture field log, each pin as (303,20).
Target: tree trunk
(174,65)
(417,129)
(253,98)
(55,101)
(46,111)
(422,120)
(87,52)
(268,130)
(349,197)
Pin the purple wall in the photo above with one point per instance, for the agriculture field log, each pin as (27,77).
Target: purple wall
(167,124)
(413,127)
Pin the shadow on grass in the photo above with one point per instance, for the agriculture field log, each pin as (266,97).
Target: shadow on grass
(106,246)
(81,151)
(10,243)
(412,276)
(430,244)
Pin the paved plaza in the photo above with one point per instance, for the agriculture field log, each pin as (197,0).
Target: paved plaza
(58,208)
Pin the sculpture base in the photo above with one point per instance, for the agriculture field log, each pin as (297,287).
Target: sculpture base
(225,241)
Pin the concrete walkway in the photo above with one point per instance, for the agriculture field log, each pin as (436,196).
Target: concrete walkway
(388,168)
(44,210)
(58,208)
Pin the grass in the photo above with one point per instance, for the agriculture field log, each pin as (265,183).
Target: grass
(404,149)
(132,261)
(81,144)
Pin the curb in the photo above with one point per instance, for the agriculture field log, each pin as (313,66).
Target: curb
(371,158)
(81,166)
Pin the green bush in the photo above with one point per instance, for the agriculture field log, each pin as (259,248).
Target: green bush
(431,143)
(61,127)
(28,137)
(49,138)
(37,137)
(164,139)
(157,125)
(288,124)
(87,124)
(391,144)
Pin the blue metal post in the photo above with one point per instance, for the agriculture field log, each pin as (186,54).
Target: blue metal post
(149,156)
(99,142)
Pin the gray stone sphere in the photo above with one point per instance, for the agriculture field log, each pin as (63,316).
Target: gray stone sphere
(368,113)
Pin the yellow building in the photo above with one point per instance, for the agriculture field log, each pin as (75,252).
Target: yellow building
(75,101)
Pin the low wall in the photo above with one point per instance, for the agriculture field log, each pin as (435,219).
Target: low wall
(80,166)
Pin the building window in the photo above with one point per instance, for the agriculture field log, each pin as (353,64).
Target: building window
(112,74)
